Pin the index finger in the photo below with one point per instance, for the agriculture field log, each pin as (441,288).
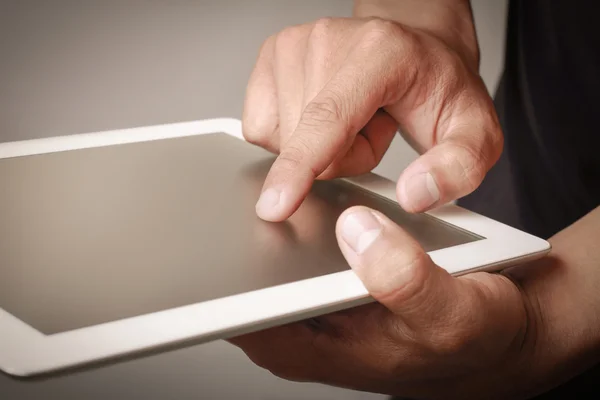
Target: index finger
(327,124)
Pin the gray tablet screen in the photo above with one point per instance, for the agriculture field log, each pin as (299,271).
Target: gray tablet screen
(96,235)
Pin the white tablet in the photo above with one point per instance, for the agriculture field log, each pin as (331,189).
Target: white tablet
(121,242)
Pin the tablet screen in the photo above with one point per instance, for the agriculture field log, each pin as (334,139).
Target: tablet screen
(96,235)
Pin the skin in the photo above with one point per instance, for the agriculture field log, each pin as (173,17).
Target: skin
(328,97)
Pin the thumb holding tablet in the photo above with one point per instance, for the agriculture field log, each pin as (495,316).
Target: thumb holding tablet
(468,317)
(429,335)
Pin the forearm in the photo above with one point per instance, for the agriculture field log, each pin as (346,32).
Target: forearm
(564,293)
(450,20)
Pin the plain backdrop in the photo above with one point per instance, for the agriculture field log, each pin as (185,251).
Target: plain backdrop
(74,66)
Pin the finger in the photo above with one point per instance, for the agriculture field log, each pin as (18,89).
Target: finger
(456,166)
(394,268)
(286,351)
(327,40)
(327,124)
(310,351)
(364,83)
(260,120)
(290,54)
(366,150)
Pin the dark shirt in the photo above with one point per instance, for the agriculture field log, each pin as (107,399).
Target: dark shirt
(548,102)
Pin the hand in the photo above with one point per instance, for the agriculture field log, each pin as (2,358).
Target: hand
(430,335)
(329,97)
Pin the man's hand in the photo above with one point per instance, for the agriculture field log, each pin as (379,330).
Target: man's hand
(329,97)
(431,335)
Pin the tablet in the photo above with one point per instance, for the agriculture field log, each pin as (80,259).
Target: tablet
(120,242)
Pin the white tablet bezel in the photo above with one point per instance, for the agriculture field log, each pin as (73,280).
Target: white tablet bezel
(24,351)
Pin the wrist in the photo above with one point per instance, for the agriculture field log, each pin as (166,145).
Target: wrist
(561,295)
(449,20)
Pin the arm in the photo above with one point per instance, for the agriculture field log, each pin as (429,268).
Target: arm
(564,297)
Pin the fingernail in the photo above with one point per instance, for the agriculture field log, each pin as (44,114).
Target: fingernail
(268,202)
(360,229)
(422,191)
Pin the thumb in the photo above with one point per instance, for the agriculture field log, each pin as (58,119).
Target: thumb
(394,268)
(456,165)
(478,313)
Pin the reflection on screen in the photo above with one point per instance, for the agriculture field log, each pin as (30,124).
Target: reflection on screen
(95,235)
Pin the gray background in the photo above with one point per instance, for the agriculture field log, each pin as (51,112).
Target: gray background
(69,66)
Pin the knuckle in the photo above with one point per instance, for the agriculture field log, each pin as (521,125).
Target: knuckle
(278,369)
(288,38)
(495,140)
(446,76)
(261,362)
(327,110)
(326,114)
(400,47)
(266,47)
(335,170)
(448,79)
(292,156)
(416,272)
(322,28)
(287,374)
(453,71)
(380,31)
(254,131)
(458,339)
(471,163)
